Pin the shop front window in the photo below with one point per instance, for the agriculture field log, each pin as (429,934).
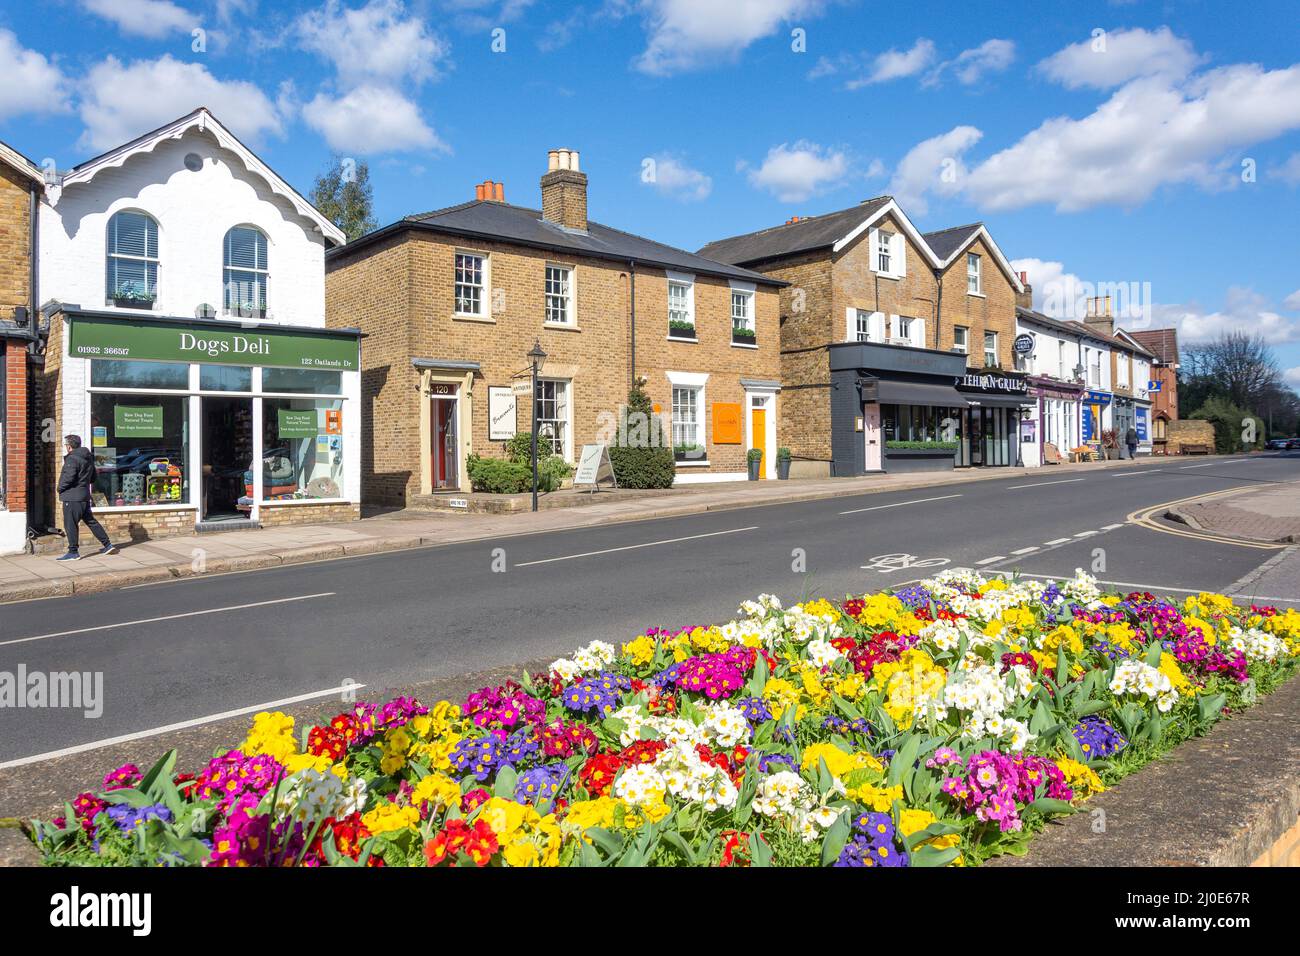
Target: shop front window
(225,378)
(302,449)
(307,381)
(141,445)
(114,374)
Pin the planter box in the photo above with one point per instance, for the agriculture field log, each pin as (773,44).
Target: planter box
(907,460)
(126,302)
(743,339)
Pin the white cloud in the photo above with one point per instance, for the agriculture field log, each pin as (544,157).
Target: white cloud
(121,101)
(480,16)
(1112,59)
(1292,301)
(971,66)
(33,84)
(153,19)
(1146,135)
(1244,310)
(793,173)
(1065,295)
(371,119)
(674,178)
(933,166)
(1292,377)
(376,43)
(689,34)
(896,64)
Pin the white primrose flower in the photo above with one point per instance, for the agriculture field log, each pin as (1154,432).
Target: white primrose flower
(760,605)
(727,724)
(1140,678)
(1257,645)
(822,653)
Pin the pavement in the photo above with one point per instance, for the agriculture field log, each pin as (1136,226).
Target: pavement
(185,661)
(24,577)
(1272,515)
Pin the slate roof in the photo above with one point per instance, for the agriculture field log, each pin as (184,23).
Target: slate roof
(1072,327)
(815,232)
(1162,343)
(945,242)
(489,220)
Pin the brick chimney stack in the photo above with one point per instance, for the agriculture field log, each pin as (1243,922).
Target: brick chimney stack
(1025,300)
(564,190)
(1099,316)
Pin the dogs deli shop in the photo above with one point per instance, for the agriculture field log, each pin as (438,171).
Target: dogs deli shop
(176,413)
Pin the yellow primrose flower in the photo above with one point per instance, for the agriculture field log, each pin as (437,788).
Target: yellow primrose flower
(601,812)
(997,584)
(437,789)
(821,608)
(779,694)
(296,762)
(880,799)
(388,816)
(851,687)
(272,735)
(839,763)
(913,821)
(1081,778)
(993,628)
(1169,667)
(640,651)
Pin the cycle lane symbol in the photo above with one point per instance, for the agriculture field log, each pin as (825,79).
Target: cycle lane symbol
(888,563)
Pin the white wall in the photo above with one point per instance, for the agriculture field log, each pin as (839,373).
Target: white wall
(194,210)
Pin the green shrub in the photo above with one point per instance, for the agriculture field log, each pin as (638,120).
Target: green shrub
(783,454)
(923,445)
(520,448)
(551,472)
(684,329)
(640,454)
(754,454)
(498,477)
(1230,424)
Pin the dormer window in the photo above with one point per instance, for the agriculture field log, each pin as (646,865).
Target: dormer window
(245,272)
(884,250)
(132,261)
(973,274)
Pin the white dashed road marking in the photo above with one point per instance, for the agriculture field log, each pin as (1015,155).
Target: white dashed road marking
(1026,550)
(899,504)
(1056,541)
(993,559)
(1044,484)
(1085,534)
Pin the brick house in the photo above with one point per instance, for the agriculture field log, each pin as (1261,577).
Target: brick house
(183,283)
(453,300)
(892,341)
(20,187)
(1163,346)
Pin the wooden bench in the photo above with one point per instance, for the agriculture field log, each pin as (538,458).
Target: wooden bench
(1193,449)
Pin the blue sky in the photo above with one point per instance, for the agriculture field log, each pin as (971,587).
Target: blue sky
(1102,142)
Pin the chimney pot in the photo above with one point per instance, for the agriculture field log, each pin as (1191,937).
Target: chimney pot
(478,191)
(552,159)
(573,161)
(499,192)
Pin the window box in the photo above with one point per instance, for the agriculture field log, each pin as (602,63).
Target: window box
(131,300)
(744,336)
(681,330)
(247,311)
(691,454)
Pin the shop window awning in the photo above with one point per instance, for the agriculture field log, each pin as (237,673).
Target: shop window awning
(996,401)
(919,393)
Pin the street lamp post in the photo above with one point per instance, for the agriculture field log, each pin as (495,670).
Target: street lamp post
(536,357)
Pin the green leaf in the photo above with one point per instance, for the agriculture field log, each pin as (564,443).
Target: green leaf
(930,856)
(837,834)
(678,842)
(904,759)
(608,841)
(504,786)
(1208,708)
(1047,805)
(760,854)
(1153,654)
(162,768)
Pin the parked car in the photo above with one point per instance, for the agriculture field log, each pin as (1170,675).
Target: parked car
(1293,444)
(1278,444)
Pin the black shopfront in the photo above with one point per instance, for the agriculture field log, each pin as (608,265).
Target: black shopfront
(894,408)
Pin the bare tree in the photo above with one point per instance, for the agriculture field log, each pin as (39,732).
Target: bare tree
(1238,366)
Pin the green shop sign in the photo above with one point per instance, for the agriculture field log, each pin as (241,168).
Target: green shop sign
(138,421)
(299,423)
(103,338)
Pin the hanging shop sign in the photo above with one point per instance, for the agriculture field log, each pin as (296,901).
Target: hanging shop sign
(107,338)
(1153,386)
(1024,343)
(502,414)
(1097,398)
(138,421)
(298,423)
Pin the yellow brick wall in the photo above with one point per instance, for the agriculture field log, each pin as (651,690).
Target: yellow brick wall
(856,286)
(994,311)
(15,241)
(402,296)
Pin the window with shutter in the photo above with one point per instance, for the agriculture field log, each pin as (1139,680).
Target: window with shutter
(245,272)
(132,260)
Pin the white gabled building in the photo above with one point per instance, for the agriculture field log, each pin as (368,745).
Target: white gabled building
(184,284)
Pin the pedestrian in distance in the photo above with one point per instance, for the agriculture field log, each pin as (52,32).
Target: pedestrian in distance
(75,481)
(1131,439)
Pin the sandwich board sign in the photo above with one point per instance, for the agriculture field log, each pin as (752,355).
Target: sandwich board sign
(593,465)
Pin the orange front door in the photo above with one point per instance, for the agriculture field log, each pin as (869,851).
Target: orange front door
(760,438)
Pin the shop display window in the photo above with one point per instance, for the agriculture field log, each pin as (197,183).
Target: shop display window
(302,449)
(141,445)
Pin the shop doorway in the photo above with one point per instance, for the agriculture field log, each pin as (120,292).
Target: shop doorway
(871,434)
(227,458)
(446,444)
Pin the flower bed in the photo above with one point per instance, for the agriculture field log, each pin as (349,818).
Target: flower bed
(937,725)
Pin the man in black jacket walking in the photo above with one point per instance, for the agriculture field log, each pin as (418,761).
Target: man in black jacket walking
(75,479)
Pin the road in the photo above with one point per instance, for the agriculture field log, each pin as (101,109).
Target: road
(184,650)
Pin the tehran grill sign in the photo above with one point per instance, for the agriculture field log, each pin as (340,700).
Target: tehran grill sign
(212,344)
